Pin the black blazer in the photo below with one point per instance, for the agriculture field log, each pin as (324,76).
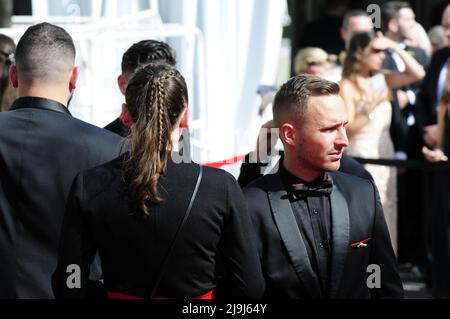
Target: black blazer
(426,99)
(356,215)
(399,127)
(218,236)
(117,127)
(42,148)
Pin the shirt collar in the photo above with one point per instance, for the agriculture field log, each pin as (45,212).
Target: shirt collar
(290,179)
(39,103)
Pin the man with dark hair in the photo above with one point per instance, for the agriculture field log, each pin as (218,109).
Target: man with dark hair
(41,150)
(139,54)
(398,21)
(431,92)
(320,232)
(355,21)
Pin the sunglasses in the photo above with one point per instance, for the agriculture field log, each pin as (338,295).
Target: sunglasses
(376,51)
(315,63)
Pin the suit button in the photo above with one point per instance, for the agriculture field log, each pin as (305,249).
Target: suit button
(315,212)
(321,245)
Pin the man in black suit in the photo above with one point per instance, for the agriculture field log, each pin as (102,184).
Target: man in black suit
(398,20)
(431,92)
(432,88)
(321,234)
(42,148)
(137,55)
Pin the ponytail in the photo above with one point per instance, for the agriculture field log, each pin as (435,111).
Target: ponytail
(156,97)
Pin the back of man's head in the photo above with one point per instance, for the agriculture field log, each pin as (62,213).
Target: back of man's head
(145,52)
(45,54)
(291,101)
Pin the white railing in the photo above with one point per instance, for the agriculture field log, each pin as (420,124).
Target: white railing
(101,41)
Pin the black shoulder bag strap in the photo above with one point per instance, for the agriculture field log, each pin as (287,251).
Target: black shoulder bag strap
(172,245)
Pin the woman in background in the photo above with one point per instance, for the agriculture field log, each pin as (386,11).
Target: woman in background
(364,89)
(131,209)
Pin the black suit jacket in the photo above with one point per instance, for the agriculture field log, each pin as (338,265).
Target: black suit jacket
(117,127)
(42,148)
(426,99)
(102,215)
(399,127)
(356,215)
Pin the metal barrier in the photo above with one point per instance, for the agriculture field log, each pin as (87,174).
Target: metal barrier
(435,217)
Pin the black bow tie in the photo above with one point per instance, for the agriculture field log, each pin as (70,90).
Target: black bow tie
(322,188)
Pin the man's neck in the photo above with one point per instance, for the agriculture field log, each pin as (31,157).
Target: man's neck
(296,168)
(394,37)
(50,93)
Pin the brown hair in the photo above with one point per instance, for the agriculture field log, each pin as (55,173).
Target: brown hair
(445,100)
(156,96)
(352,63)
(294,94)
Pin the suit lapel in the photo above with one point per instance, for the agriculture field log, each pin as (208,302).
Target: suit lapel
(291,236)
(340,238)
(390,62)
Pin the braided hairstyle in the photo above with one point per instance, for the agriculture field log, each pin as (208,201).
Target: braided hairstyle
(156,97)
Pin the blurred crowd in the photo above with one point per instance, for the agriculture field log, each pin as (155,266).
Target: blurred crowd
(395,84)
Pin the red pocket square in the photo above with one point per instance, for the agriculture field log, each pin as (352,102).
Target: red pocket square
(362,243)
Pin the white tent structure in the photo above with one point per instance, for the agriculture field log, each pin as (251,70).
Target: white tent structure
(225,49)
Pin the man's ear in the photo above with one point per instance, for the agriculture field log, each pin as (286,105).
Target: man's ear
(184,122)
(122,82)
(344,34)
(288,134)
(125,116)
(74,78)
(392,26)
(13,76)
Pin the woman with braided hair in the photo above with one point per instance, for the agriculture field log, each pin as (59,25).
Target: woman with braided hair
(162,228)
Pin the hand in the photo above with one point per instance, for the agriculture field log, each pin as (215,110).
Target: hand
(430,135)
(412,43)
(266,99)
(377,98)
(435,155)
(402,98)
(383,43)
(266,141)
